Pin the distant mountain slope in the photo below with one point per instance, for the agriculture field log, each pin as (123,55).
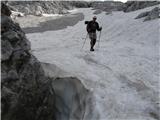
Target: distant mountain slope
(39,7)
(62,7)
(49,7)
(135,5)
(108,5)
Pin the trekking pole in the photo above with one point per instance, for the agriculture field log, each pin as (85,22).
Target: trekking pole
(84,41)
(99,39)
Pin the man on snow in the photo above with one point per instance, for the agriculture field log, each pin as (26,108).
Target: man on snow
(92,26)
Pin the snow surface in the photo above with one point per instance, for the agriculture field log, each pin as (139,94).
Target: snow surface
(17,13)
(34,21)
(123,72)
(51,15)
(54,15)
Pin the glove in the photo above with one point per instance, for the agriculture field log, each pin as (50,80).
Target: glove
(100,28)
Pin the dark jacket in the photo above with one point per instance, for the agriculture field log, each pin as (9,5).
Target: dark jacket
(92,27)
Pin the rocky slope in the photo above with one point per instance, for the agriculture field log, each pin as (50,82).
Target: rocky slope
(150,15)
(135,5)
(108,6)
(80,4)
(39,7)
(28,93)
(49,7)
(62,7)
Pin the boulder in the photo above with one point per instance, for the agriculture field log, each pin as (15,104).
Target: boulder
(38,11)
(25,90)
(6,50)
(11,36)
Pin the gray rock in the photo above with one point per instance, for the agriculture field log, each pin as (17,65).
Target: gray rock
(5,11)
(37,8)
(150,15)
(25,44)
(153,14)
(144,14)
(12,75)
(108,6)
(19,55)
(6,92)
(4,23)
(3,76)
(6,50)
(49,7)
(38,11)
(26,11)
(80,4)
(135,5)
(32,70)
(12,36)
(25,92)
(97,12)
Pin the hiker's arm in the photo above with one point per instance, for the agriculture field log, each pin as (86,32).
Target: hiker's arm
(88,27)
(99,28)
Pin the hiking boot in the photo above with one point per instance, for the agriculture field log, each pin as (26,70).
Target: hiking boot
(91,49)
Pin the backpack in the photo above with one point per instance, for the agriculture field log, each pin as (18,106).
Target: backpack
(87,28)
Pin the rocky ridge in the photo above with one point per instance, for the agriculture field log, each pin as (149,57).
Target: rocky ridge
(150,15)
(26,92)
(108,6)
(135,5)
(48,7)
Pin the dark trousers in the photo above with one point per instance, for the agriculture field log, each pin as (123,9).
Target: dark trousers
(93,37)
(92,43)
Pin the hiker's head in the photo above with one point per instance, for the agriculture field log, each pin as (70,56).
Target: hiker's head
(94,18)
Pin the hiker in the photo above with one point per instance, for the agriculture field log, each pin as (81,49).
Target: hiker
(92,26)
